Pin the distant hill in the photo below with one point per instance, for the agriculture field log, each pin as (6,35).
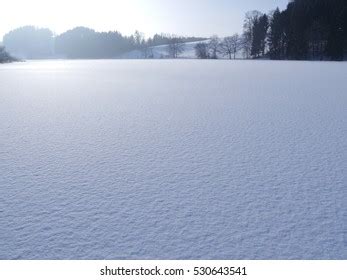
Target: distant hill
(29,42)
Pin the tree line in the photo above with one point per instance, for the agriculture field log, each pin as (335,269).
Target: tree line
(305,30)
(81,42)
(216,47)
(315,29)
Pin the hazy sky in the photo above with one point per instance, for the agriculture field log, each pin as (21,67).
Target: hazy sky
(182,17)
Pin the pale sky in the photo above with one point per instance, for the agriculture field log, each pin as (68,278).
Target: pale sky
(181,17)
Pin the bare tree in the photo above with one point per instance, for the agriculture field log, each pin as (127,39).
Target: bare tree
(230,46)
(201,50)
(175,47)
(213,46)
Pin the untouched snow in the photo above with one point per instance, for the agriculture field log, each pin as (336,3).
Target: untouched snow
(173,160)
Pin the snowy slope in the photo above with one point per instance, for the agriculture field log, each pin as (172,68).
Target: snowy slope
(162,52)
(165,159)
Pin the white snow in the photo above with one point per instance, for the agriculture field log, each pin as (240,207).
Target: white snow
(163,159)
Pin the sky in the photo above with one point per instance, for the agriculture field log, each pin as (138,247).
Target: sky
(181,17)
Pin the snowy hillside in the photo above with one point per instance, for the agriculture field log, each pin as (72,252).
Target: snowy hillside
(162,52)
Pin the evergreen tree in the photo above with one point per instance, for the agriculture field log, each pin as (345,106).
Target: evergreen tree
(248,32)
(277,35)
(4,56)
(259,35)
(315,29)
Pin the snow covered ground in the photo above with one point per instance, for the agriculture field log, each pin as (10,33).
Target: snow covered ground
(134,159)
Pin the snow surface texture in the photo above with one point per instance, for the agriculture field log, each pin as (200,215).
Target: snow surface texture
(173,160)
